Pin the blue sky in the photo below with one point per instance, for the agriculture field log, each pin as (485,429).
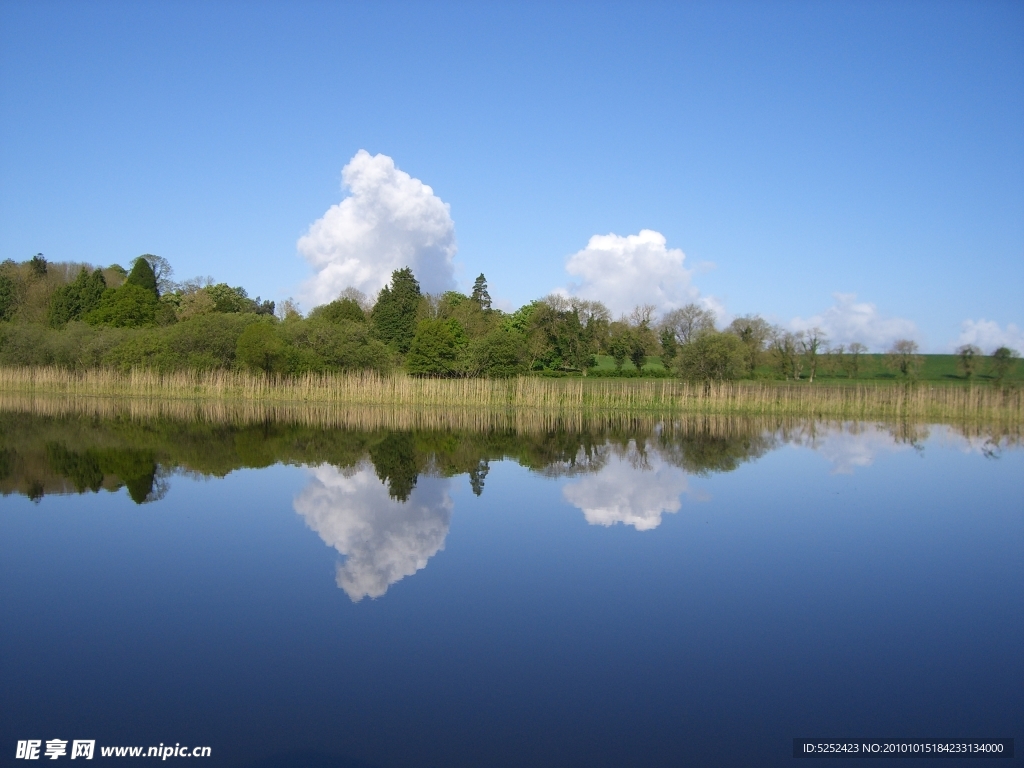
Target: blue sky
(792,151)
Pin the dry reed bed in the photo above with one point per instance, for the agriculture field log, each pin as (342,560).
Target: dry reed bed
(661,396)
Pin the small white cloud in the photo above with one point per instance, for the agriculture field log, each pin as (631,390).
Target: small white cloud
(623,272)
(849,320)
(389,221)
(989,335)
(384,540)
(622,493)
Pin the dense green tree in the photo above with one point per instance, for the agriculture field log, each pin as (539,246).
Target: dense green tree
(501,354)
(143,276)
(561,333)
(340,310)
(436,349)
(38,265)
(228,299)
(162,272)
(260,348)
(129,306)
(712,356)
(320,345)
(76,299)
(628,342)
(669,345)
(8,297)
(394,315)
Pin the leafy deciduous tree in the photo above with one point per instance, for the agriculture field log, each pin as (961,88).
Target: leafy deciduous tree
(260,348)
(1002,361)
(712,356)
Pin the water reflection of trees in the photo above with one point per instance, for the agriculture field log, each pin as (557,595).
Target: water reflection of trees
(84,452)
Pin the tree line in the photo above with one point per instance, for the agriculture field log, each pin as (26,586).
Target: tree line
(80,316)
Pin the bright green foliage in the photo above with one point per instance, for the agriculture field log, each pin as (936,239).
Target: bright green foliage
(316,344)
(436,349)
(202,343)
(501,354)
(522,319)
(558,338)
(340,310)
(712,356)
(8,298)
(260,348)
(78,298)
(143,276)
(394,315)
(129,306)
(228,299)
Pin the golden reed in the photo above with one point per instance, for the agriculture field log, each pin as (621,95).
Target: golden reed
(661,397)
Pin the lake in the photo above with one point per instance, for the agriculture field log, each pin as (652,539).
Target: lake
(622,593)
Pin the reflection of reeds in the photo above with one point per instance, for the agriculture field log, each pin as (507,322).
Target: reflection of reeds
(445,398)
(514,420)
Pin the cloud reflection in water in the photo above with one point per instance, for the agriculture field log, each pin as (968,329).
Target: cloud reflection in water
(633,488)
(383,540)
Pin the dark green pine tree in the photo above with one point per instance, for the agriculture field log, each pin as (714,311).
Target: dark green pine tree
(394,315)
(143,276)
(72,301)
(480,294)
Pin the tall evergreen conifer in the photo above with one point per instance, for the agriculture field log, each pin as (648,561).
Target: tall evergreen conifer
(143,276)
(480,294)
(394,314)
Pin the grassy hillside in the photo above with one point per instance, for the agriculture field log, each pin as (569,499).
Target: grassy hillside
(936,368)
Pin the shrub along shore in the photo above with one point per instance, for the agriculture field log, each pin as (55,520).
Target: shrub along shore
(886,401)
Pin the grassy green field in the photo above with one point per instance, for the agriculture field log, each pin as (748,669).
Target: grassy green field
(936,368)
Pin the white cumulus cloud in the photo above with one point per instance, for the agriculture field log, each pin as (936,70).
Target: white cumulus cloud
(622,493)
(989,335)
(389,221)
(623,272)
(849,320)
(383,540)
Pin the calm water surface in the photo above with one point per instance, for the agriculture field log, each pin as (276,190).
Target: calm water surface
(687,595)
